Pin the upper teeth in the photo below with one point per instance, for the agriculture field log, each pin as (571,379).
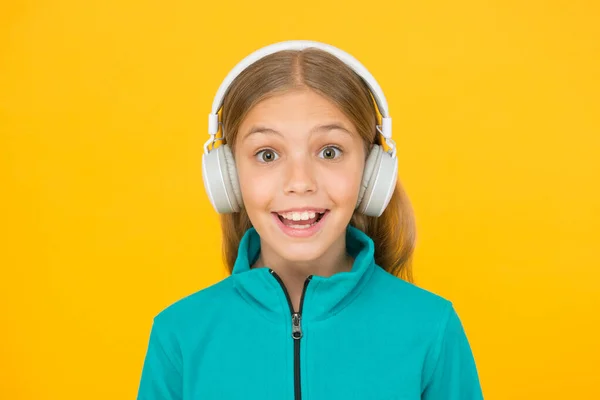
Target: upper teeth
(297,216)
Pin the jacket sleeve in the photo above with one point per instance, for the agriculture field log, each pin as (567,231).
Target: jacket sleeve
(161,377)
(451,373)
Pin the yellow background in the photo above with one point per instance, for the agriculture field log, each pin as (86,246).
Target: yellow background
(103,112)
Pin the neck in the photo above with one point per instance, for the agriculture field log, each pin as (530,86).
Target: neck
(293,273)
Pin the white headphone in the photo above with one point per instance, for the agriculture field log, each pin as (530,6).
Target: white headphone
(381,169)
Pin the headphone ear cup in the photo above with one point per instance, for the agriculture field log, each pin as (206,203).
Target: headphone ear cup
(372,159)
(220,180)
(232,174)
(379,181)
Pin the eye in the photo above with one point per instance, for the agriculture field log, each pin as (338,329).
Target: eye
(266,156)
(330,152)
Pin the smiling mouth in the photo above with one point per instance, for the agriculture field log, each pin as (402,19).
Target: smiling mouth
(303,224)
(301,220)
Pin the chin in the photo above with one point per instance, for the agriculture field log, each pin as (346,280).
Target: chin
(306,249)
(301,252)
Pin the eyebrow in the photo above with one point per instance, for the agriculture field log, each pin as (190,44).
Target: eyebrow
(318,128)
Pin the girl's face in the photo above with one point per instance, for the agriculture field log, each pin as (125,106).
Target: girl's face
(299,160)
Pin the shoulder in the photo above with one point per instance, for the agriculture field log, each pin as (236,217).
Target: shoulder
(399,290)
(195,308)
(421,309)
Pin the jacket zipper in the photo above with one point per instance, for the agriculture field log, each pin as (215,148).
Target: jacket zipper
(296,331)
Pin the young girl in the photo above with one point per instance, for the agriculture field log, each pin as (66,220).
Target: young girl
(318,238)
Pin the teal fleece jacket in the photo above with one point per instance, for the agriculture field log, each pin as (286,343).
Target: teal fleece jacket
(363,334)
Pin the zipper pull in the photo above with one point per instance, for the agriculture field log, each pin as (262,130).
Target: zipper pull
(296,330)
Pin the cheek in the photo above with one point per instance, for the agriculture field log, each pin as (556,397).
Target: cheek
(257,187)
(343,185)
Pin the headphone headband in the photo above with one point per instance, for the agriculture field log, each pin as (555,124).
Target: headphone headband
(381,168)
(386,121)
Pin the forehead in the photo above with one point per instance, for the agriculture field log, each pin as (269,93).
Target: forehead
(297,110)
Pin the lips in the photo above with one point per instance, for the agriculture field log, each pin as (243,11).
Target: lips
(301,210)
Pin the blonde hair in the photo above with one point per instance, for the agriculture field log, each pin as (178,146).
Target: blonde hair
(393,233)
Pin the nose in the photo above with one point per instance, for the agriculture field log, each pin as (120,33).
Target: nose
(300,176)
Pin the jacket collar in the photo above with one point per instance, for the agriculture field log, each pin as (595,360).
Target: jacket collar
(324,297)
